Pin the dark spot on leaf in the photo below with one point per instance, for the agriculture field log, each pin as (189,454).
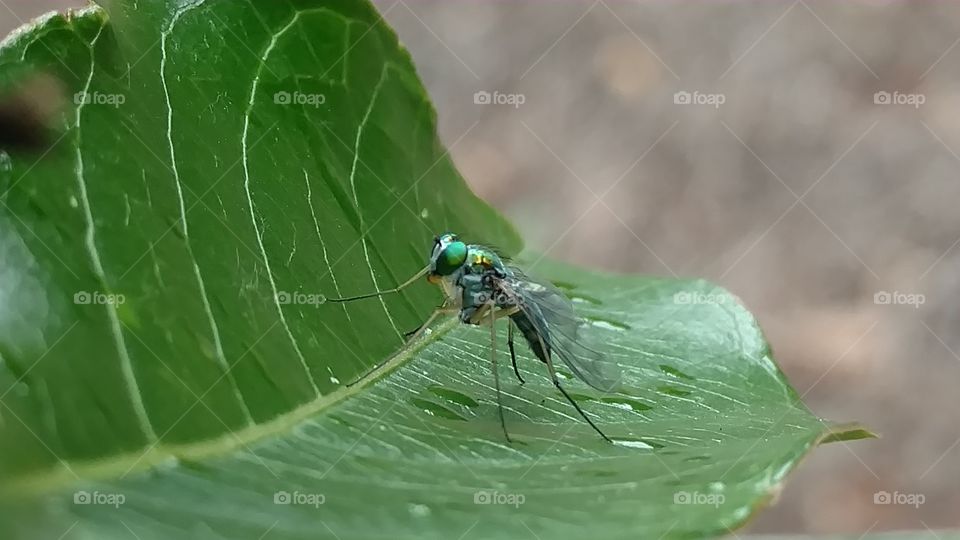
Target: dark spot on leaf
(673,391)
(669,370)
(452,395)
(341,421)
(175,227)
(564,285)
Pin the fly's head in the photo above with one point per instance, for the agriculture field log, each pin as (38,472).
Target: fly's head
(447,256)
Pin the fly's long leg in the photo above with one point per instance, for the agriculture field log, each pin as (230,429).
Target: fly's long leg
(442,308)
(513,355)
(556,382)
(398,288)
(496,375)
(414,334)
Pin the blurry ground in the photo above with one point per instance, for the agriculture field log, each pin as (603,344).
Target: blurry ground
(716,193)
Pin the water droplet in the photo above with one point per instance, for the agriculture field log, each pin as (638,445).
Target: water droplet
(632,443)
(73,202)
(608,324)
(564,375)
(424,213)
(419,510)
(584,299)
(6,163)
(626,404)
(334,380)
(435,409)
(168,464)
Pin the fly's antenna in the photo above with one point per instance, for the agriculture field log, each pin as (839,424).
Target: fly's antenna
(399,288)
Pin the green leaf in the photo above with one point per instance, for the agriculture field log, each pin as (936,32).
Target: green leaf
(167,367)
(897,535)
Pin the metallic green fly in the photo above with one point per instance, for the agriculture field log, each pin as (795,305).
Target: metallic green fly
(481,288)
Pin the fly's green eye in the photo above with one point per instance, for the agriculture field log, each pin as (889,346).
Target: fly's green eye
(452,257)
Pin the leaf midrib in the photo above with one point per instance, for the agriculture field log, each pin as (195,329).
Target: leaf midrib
(121,465)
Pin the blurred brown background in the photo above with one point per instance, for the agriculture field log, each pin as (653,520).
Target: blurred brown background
(805,192)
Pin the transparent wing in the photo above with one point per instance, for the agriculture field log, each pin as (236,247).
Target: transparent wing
(551,314)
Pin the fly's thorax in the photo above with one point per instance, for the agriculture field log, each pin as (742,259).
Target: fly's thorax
(481,258)
(478,289)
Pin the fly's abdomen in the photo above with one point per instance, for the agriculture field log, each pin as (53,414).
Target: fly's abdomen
(530,333)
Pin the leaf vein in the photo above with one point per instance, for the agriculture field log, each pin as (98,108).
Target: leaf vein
(126,367)
(208,311)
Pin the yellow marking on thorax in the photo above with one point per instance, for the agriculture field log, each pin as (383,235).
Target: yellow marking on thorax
(483,260)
